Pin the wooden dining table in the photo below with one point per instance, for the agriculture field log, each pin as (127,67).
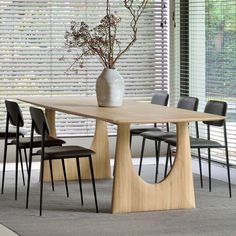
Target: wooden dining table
(130,192)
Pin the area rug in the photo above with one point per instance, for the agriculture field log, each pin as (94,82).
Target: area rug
(215,212)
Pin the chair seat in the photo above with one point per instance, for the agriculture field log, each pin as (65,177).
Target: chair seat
(197,143)
(138,129)
(12,132)
(157,135)
(65,152)
(50,141)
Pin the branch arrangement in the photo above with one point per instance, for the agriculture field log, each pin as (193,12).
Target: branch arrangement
(101,41)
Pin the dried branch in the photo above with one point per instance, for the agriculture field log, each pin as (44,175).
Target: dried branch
(101,41)
(133,23)
(76,60)
(109,34)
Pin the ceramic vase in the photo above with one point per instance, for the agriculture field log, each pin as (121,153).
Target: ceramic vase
(110,88)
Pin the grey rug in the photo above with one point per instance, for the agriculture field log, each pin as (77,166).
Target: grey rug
(215,213)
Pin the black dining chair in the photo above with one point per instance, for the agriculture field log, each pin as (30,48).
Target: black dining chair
(159,98)
(11,133)
(40,126)
(217,108)
(185,102)
(15,118)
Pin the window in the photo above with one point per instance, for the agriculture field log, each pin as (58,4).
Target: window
(32,46)
(205,58)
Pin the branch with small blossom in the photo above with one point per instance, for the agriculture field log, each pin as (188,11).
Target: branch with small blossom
(75,61)
(101,41)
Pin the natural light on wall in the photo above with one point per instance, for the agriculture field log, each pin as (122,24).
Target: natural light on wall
(34,61)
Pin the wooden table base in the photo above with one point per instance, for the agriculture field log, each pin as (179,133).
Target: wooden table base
(131,193)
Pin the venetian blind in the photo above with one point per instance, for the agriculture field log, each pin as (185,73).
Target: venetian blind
(34,60)
(205,59)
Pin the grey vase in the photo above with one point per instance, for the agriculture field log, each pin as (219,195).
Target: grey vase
(110,88)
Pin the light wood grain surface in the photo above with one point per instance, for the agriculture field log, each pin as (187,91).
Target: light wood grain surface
(130,112)
(131,193)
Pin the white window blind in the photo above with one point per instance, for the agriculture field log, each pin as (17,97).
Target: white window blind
(34,60)
(205,59)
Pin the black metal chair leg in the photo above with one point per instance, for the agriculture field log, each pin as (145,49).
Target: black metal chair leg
(200,166)
(167,160)
(16,171)
(41,186)
(4,164)
(141,157)
(65,178)
(80,181)
(28,183)
(171,163)
(130,140)
(114,166)
(22,168)
(26,161)
(51,172)
(209,168)
(157,148)
(228,170)
(93,182)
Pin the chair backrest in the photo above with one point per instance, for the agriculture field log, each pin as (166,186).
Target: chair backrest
(188,103)
(160,98)
(216,108)
(40,121)
(14,113)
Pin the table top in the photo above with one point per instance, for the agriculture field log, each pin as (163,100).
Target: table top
(129,112)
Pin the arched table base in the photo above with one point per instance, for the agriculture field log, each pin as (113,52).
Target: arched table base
(131,193)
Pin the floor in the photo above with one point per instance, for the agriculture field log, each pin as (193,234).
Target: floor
(215,213)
